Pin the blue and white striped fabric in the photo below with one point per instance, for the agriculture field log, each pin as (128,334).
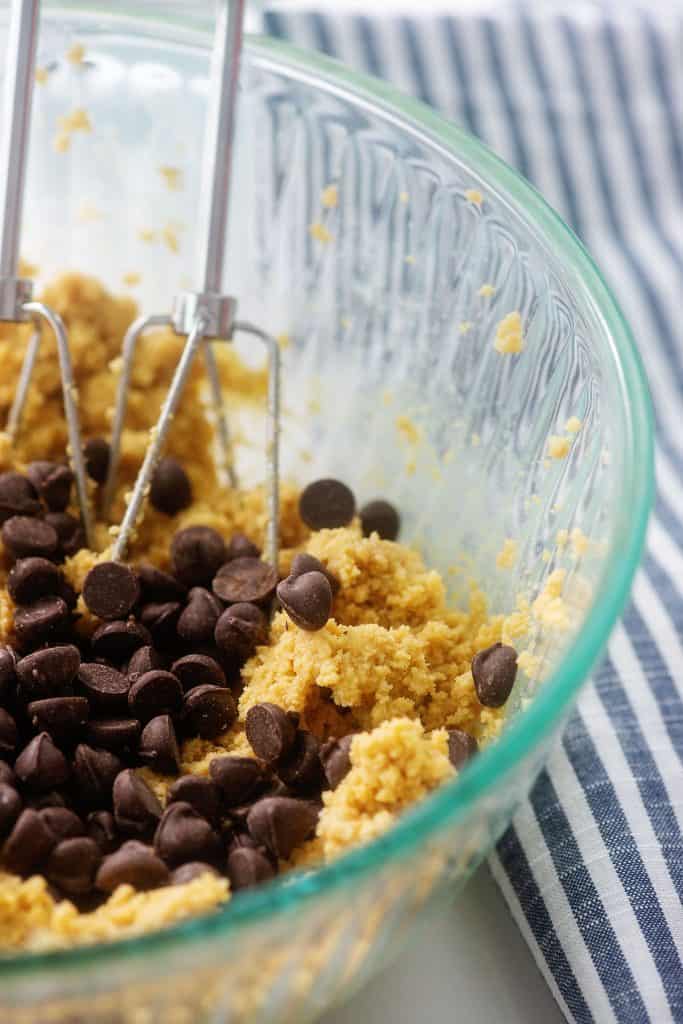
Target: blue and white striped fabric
(586,100)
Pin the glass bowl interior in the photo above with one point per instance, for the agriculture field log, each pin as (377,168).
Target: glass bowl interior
(391,289)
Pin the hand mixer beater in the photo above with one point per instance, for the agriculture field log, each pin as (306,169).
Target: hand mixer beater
(208,314)
(16,293)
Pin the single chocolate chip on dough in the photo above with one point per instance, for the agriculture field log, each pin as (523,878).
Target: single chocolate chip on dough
(26,537)
(155,693)
(461,747)
(101,827)
(326,504)
(17,496)
(28,845)
(247,867)
(105,687)
(115,734)
(201,793)
(41,622)
(303,563)
(184,835)
(65,824)
(46,673)
(159,746)
(118,641)
(198,620)
(63,717)
(72,865)
(97,454)
(170,490)
(197,553)
(198,670)
(69,530)
(94,771)
(281,823)
(133,864)
(159,586)
(136,808)
(307,599)
(8,670)
(143,660)
(32,578)
(270,731)
(10,808)
(238,778)
(380,517)
(301,768)
(336,760)
(161,619)
(494,671)
(110,590)
(9,735)
(41,765)
(208,711)
(191,870)
(247,580)
(52,481)
(240,629)
(240,546)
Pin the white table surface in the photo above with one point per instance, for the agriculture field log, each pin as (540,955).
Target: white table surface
(471,965)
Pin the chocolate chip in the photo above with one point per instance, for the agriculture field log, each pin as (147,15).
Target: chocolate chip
(198,620)
(301,768)
(183,835)
(197,553)
(52,481)
(63,717)
(198,670)
(63,822)
(303,563)
(41,765)
(116,734)
(97,453)
(42,622)
(144,660)
(380,517)
(247,867)
(7,776)
(461,747)
(155,693)
(238,778)
(48,672)
(307,599)
(208,711)
(240,546)
(245,580)
(326,504)
(94,771)
(270,731)
(105,687)
(200,792)
(281,823)
(10,808)
(133,864)
(33,578)
(73,864)
(29,844)
(159,586)
(102,828)
(136,808)
(8,673)
(118,641)
(110,590)
(240,629)
(161,620)
(170,490)
(494,671)
(336,760)
(17,497)
(25,537)
(8,735)
(69,530)
(190,871)
(159,746)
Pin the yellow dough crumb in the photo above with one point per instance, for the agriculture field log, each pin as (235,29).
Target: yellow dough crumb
(486,291)
(42,76)
(509,336)
(507,556)
(172,177)
(88,212)
(580,542)
(319,232)
(132,278)
(549,607)
(330,197)
(148,235)
(408,430)
(473,195)
(573,425)
(169,235)
(77,121)
(465,326)
(76,54)
(558,447)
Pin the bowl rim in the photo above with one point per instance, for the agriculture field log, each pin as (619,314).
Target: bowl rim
(526,734)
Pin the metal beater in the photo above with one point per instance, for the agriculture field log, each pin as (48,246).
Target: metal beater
(205,315)
(16,293)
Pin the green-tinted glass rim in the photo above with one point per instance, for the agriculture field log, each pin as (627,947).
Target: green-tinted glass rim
(532,727)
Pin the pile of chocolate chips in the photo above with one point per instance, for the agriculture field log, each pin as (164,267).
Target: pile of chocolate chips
(78,716)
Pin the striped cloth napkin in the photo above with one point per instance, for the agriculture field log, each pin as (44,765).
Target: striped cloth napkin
(586,100)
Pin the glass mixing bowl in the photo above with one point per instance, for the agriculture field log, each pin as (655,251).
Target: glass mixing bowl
(380,295)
